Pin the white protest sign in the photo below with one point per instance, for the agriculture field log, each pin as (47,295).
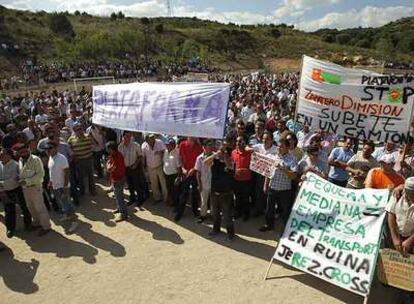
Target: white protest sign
(355,103)
(262,164)
(185,109)
(333,233)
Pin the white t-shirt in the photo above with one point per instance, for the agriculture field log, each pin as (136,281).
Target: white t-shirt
(205,171)
(57,165)
(260,148)
(171,162)
(404,214)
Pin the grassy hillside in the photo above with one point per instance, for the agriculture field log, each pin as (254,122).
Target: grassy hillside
(71,37)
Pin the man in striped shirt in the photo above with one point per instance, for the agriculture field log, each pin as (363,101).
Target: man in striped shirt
(81,145)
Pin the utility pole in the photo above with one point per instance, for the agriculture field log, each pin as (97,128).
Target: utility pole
(169,8)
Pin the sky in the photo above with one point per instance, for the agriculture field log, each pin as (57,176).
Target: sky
(307,15)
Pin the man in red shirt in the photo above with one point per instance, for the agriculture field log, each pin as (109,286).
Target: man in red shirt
(116,168)
(188,150)
(242,177)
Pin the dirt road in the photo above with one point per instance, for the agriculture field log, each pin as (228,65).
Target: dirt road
(151,259)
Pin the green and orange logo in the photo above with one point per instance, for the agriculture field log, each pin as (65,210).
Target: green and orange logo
(395,95)
(321,76)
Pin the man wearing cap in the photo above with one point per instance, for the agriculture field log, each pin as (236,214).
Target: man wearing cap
(58,167)
(31,179)
(385,176)
(131,151)
(401,219)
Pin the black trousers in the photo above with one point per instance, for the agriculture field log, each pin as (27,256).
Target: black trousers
(284,202)
(97,163)
(11,199)
(173,190)
(188,188)
(242,191)
(136,193)
(222,203)
(260,196)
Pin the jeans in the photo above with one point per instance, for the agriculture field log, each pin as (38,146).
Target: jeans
(119,196)
(188,188)
(10,199)
(222,202)
(242,190)
(283,200)
(63,200)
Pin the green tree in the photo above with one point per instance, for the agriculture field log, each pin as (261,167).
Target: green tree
(77,13)
(385,48)
(60,24)
(114,16)
(120,15)
(343,38)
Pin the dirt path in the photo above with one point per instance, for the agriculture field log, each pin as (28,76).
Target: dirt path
(152,259)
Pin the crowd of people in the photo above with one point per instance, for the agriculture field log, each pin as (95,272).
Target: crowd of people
(48,73)
(52,154)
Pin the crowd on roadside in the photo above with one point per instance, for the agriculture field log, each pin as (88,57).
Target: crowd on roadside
(52,154)
(55,72)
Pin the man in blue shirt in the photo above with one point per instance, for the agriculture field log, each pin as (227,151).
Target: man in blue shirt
(338,160)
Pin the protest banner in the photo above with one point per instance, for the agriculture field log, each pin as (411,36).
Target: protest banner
(355,103)
(333,233)
(262,164)
(185,109)
(396,270)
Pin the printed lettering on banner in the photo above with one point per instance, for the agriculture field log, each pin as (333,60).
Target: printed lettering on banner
(186,109)
(333,233)
(355,103)
(263,164)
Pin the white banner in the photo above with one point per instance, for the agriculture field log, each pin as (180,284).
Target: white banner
(185,109)
(355,103)
(333,233)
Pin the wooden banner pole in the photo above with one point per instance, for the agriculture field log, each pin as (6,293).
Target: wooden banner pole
(299,89)
(268,269)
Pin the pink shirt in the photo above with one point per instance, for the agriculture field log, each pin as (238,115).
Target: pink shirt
(152,159)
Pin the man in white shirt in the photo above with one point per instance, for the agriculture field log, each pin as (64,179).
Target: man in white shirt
(59,182)
(172,169)
(131,151)
(203,174)
(401,219)
(153,151)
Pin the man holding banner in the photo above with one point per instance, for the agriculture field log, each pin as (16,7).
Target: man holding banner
(401,219)
(279,187)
